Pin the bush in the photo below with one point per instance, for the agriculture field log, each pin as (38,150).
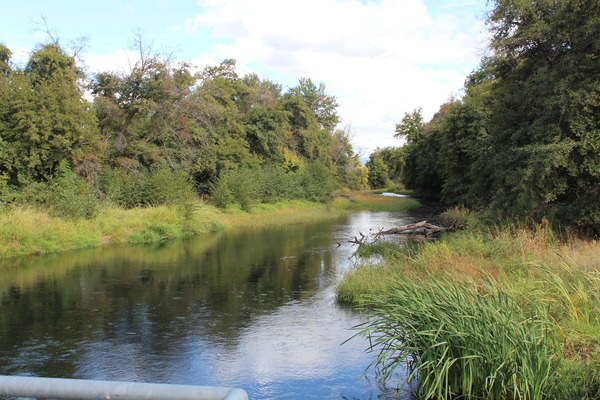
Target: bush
(156,187)
(241,187)
(70,196)
(456,218)
(66,195)
(316,182)
(127,190)
(245,187)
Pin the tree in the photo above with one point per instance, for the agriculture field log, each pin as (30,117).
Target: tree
(420,154)
(266,128)
(323,105)
(394,160)
(5,55)
(44,119)
(412,127)
(378,174)
(544,120)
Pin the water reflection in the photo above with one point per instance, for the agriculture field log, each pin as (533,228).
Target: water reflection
(250,308)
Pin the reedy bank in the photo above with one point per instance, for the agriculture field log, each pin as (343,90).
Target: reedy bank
(488,313)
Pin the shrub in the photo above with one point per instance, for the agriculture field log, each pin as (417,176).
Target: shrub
(70,196)
(159,186)
(66,195)
(316,182)
(242,187)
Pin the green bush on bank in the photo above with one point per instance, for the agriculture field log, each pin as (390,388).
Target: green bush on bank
(66,195)
(158,186)
(246,187)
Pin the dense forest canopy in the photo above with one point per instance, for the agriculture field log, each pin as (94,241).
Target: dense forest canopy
(524,139)
(124,136)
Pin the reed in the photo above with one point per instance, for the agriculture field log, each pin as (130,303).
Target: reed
(461,341)
(547,283)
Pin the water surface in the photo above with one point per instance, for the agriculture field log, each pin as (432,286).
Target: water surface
(253,309)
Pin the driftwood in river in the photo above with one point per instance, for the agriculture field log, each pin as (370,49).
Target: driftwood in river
(423,226)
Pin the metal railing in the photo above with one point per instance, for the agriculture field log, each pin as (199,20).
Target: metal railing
(79,389)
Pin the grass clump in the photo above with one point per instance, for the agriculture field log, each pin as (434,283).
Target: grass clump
(546,283)
(461,341)
(27,230)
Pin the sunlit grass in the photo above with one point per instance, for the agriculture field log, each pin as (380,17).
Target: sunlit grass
(529,264)
(461,341)
(29,231)
(373,201)
(25,230)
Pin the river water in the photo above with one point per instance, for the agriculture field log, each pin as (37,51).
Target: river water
(253,309)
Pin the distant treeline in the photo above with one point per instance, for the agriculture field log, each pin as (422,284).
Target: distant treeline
(524,140)
(161,132)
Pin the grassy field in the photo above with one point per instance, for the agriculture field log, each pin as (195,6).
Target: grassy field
(31,231)
(486,313)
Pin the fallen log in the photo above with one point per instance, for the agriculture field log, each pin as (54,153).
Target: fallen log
(429,229)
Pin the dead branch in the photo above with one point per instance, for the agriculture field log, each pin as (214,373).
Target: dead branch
(426,227)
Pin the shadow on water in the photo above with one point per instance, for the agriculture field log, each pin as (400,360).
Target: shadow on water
(254,309)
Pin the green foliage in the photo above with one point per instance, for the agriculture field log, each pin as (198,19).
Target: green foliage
(246,187)
(524,140)
(378,173)
(70,196)
(316,182)
(239,187)
(265,130)
(420,154)
(157,118)
(470,341)
(44,119)
(323,105)
(159,186)
(456,218)
(6,194)
(394,160)
(65,195)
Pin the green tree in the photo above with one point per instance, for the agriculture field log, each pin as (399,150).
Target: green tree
(44,118)
(323,105)
(545,110)
(420,154)
(5,55)
(266,128)
(393,158)
(378,173)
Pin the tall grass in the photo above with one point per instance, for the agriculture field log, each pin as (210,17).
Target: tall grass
(28,230)
(525,279)
(461,341)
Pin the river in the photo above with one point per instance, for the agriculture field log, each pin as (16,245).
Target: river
(253,309)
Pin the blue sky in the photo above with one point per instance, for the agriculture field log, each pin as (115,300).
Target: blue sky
(380,58)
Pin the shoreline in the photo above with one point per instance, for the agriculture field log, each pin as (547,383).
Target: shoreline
(26,231)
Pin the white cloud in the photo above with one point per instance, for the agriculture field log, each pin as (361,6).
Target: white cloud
(379,58)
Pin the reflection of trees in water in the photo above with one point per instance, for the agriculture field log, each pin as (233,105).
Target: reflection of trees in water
(145,301)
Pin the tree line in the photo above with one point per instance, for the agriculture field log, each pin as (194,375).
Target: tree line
(524,139)
(163,131)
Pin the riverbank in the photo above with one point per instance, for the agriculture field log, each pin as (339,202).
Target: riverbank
(488,312)
(31,231)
